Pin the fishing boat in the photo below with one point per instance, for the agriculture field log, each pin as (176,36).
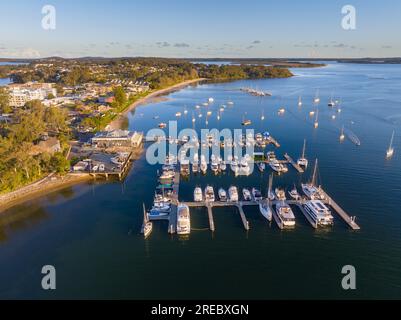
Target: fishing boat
(256,194)
(317,213)
(261,166)
(342,136)
(270,193)
(209,194)
(390,150)
(183,220)
(283,215)
(302,161)
(246,194)
(147,225)
(310,189)
(294,193)
(280,194)
(265,210)
(222,195)
(233,194)
(198,196)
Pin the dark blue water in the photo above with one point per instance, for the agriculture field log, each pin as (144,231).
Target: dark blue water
(90,232)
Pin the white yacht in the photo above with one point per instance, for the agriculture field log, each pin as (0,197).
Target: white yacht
(316,99)
(265,210)
(246,194)
(294,193)
(210,100)
(342,135)
(261,166)
(302,161)
(233,194)
(244,168)
(214,164)
(234,166)
(390,150)
(147,225)
(310,189)
(222,195)
(223,165)
(198,196)
(183,219)
(317,213)
(195,163)
(299,101)
(203,165)
(209,194)
(277,166)
(256,194)
(280,194)
(283,215)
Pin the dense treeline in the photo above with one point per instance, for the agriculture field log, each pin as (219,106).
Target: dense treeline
(19,165)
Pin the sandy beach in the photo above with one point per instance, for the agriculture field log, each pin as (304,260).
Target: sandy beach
(116,124)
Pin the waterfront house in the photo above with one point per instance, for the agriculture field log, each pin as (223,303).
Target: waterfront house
(117,138)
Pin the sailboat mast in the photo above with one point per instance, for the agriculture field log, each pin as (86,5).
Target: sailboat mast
(303,150)
(270,185)
(313,182)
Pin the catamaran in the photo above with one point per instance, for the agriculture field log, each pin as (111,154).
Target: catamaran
(390,150)
(310,189)
(302,161)
(183,220)
(283,215)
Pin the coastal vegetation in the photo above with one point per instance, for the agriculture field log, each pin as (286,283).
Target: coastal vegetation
(20,164)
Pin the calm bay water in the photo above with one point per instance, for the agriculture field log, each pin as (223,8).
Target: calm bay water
(90,232)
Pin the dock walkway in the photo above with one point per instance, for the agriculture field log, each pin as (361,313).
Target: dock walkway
(293,163)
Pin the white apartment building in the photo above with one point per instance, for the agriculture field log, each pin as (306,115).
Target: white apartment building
(21,94)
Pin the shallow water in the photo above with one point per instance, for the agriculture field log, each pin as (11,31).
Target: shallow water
(90,232)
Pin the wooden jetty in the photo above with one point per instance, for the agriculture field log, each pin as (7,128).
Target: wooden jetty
(243,217)
(293,163)
(120,173)
(210,214)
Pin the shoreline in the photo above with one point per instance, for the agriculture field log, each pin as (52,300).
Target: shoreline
(39,188)
(51,184)
(116,123)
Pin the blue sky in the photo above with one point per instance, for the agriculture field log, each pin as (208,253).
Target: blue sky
(189,28)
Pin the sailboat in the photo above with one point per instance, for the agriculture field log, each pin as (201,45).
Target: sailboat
(316,99)
(316,124)
(147,225)
(262,117)
(390,150)
(299,101)
(310,189)
(331,102)
(303,161)
(342,135)
(270,193)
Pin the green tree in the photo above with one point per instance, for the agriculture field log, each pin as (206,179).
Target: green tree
(4,101)
(120,97)
(59,163)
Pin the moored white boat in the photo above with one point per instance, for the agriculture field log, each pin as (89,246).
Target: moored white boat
(317,213)
(209,194)
(198,196)
(256,194)
(183,220)
(233,194)
(246,194)
(265,210)
(222,195)
(283,215)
